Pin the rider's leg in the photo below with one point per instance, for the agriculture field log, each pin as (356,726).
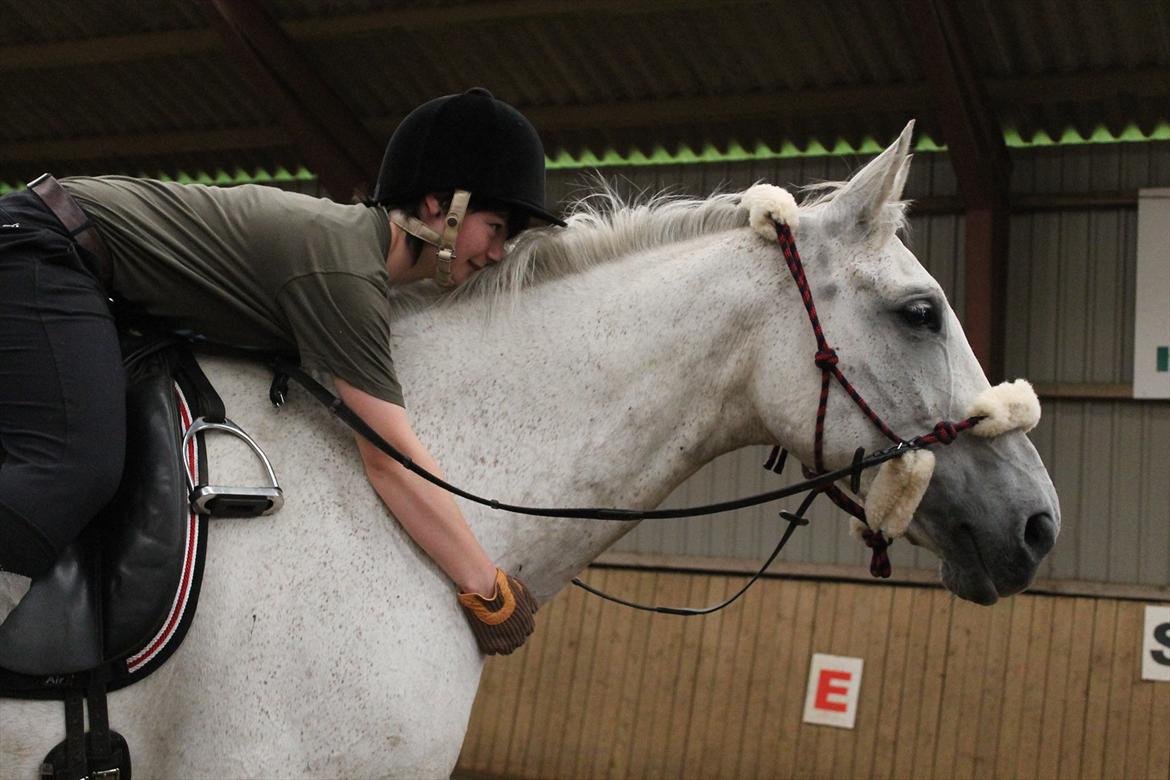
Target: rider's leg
(62,396)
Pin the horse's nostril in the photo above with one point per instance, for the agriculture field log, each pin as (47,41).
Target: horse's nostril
(1040,534)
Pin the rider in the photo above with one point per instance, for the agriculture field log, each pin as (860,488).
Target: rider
(253,266)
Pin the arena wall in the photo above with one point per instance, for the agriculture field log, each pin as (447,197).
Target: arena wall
(1038,686)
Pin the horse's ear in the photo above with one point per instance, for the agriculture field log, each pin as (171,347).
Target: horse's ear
(900,179)
(862,204)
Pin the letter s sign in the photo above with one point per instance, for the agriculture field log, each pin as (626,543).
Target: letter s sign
(1156,644)
(1162,637)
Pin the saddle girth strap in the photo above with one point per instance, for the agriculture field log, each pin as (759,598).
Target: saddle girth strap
(75,764)
(99,749)
(101,754)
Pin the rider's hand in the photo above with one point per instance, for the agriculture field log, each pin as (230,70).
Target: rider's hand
(500,623)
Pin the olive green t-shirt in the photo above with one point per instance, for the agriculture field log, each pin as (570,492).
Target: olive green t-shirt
(253,266)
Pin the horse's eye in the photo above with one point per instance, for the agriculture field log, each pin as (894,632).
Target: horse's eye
(922,314)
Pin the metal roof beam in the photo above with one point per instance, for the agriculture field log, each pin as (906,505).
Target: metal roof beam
(550,119)
(98,147)
(1149,82)
(143,46)
(972,134)
(707,109)
(107,50)
(979,156)
(1145,82)
(327,133)
(598,116)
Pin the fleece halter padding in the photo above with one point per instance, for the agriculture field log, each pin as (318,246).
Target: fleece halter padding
(900,484)
(896,493)
(898,489)
(1009,406)
(769,205)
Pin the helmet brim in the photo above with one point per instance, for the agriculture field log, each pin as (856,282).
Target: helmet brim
(534,212)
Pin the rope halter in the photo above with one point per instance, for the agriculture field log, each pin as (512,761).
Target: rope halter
(901,482)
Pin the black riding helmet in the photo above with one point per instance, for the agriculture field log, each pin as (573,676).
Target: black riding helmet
(471,142)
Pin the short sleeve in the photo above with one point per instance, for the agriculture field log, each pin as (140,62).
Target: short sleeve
(341,324)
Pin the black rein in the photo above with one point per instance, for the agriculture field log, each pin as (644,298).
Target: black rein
(285,370)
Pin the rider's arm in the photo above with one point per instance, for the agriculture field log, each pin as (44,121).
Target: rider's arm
(428,513)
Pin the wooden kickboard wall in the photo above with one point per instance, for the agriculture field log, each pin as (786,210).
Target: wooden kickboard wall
(1035,687)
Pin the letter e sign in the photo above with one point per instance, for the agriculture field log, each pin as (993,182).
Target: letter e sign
(834,683)
(1156,644)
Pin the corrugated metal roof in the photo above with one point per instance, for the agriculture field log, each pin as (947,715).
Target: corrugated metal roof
(119,85)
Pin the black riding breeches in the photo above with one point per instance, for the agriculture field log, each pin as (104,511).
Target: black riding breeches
(62,389)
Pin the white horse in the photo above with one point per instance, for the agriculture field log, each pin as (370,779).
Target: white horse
(603,365)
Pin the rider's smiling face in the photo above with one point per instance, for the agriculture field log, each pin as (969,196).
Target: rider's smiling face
(480,242)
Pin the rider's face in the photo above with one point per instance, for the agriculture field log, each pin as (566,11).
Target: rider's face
(480,242)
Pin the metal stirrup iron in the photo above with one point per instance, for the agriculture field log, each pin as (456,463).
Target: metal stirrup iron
(224,501)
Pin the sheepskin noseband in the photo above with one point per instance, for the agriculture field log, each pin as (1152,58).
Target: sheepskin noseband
(900,484)
(898,488)
(1009,406)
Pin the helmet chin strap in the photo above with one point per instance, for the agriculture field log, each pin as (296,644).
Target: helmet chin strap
(444,242)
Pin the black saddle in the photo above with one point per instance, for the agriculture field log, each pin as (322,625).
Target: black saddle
(119,600)
(112,590)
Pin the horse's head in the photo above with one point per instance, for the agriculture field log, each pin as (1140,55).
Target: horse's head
(990,511)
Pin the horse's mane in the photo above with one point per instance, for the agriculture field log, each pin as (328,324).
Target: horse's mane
(604,225)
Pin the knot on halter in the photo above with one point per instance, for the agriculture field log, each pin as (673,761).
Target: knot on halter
(945,432)
(879,564)
(826,359)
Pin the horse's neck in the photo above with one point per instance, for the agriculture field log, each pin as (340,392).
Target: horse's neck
(607,388)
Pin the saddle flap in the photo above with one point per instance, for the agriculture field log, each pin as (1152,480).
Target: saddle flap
(147,526)
(56,628)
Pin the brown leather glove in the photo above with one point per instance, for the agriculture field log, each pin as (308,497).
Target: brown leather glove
(503,622)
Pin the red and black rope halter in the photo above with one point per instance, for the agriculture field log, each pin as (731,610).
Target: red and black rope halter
(827,361)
